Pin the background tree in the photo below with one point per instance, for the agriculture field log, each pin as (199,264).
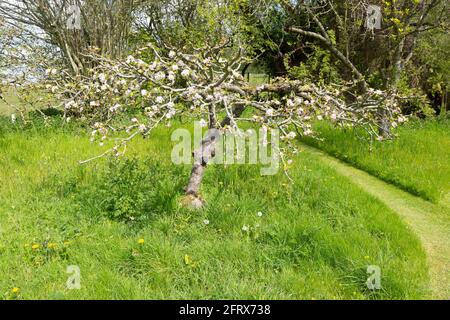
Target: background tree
(103,24)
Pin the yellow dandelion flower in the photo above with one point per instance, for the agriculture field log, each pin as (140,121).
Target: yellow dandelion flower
(35,246)
(15,290)
(141,241)
(51,245)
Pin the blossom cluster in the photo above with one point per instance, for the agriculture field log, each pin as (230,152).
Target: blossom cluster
(156,85)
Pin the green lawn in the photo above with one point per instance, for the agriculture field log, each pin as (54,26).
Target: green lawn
(418,161)
(314,241)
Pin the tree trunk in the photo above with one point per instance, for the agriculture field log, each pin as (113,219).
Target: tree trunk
(202,156)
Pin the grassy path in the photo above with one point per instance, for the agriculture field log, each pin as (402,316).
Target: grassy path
(430,222)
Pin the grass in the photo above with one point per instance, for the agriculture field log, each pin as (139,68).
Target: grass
(314,241)
(417,161)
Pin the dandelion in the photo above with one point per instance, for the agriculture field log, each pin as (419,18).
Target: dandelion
(141,241)
(51,245)
(15,290)
(206,221)
(35,246)
(259,214)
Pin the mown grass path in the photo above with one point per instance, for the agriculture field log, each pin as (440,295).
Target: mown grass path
(430,222)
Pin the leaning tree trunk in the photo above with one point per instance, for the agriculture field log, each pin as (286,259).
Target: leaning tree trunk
(202,156)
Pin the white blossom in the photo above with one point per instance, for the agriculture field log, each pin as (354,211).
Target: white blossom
(170,105)
(170,113)
(291,135)
(160,76)
(185,73)
(102,77)
(172,54)
(270,112)
(159,99)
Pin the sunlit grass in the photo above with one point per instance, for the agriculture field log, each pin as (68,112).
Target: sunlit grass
(314,240)
(417,161)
